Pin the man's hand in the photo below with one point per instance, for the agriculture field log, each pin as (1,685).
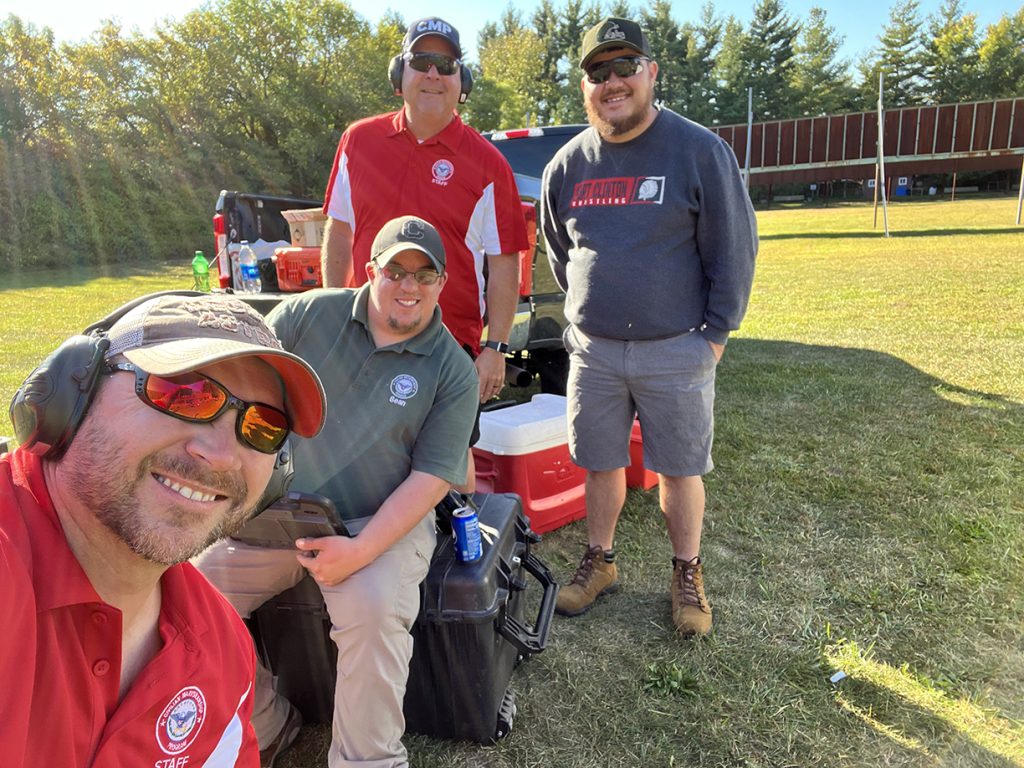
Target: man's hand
(717,349)
(330,559)
(490,367)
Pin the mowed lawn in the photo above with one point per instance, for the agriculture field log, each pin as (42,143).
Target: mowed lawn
(865,517)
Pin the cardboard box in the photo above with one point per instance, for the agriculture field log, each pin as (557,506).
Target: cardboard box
(298,269)
(306,226)
(636,475)
(525,450)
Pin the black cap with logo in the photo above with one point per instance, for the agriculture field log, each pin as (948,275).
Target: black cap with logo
(432,26)
(613,33)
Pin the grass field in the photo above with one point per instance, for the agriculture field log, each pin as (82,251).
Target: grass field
(865,516)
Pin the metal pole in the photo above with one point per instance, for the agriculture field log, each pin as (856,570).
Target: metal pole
(881,156)
(952,197)
(750,127)
(1020,192)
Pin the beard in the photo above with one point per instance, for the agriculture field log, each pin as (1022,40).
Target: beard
(620,125)
(400,327)
(108,488)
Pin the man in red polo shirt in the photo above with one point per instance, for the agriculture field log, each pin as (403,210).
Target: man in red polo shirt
(141,444)
(423,161)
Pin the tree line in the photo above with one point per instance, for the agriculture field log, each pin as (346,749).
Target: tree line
(114,149)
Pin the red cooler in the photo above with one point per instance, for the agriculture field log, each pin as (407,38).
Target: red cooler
(636,475)
(524,450)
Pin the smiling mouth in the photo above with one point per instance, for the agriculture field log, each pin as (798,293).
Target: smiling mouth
(408,302)
(183,490)
(615,98)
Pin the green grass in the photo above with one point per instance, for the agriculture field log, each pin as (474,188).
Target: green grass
(865,515)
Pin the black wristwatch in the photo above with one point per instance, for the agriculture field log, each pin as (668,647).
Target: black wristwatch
(498,346)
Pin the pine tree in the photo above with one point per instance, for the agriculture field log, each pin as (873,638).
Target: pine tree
(732,74)
(821,79)
(703,41)
(668,48)
(768,54)
(951,55)
(900,56)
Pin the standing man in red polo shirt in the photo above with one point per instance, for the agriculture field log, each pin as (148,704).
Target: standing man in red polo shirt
(424,161)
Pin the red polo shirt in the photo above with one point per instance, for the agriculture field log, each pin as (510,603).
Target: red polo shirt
(456,180)
(60,656)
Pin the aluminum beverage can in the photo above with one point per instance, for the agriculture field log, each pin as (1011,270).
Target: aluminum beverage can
(466,525)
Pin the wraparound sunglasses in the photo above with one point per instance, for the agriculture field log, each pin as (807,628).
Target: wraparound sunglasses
(200,399)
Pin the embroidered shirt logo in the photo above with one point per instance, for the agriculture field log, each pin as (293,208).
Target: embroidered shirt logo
(442,171)
(182,719)
(623,190)
(612,32)
(403,387)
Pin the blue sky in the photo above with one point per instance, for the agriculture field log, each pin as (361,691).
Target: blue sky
(860,21)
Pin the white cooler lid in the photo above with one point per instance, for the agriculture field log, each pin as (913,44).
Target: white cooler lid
(525,428)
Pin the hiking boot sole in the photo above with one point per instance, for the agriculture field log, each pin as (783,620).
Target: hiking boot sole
(611,588)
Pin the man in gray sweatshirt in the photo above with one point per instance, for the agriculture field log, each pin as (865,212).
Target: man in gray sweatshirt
(651,234)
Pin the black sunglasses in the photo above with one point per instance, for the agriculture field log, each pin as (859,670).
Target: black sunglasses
(197,398)
(623,67)
(396,274)
(421,62)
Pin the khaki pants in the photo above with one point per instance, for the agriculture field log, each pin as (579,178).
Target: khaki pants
(372,613)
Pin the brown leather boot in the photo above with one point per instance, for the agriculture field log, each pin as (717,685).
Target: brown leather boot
(593,578)
(690,610)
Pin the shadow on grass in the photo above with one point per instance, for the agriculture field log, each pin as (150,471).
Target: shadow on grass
(893,233)
(76,275)
(855,496)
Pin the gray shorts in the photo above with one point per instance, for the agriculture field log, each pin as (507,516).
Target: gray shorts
(668,383)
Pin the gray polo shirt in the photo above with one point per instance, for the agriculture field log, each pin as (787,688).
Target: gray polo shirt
(390,410)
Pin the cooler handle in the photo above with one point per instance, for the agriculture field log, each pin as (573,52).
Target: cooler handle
(531,640)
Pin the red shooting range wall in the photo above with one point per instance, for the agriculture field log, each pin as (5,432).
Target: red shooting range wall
(972,136)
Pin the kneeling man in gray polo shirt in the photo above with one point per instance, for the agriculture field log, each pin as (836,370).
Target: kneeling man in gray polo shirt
(402,402)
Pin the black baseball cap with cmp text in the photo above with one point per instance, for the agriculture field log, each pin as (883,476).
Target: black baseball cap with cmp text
(612,33)
(432,26)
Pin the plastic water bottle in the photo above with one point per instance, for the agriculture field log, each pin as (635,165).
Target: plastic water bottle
(200,273)
(248,270)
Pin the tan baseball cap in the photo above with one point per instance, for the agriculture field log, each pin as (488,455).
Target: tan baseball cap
(169,335)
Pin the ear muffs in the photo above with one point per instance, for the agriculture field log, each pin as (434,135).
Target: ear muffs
(466,77)
(397,66)
(395,69)
(51,403)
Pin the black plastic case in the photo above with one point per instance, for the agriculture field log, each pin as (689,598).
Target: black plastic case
(471,632)
(469,636)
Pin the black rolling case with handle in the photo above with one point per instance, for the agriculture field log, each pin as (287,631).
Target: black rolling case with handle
(469,636)
(471,631)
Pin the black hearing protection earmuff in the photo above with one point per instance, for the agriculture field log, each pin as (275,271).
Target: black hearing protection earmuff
(51,403)
(397,67)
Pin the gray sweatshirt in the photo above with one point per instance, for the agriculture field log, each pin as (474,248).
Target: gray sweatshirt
(651,237)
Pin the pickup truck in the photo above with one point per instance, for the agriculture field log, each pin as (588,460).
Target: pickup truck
(535,344)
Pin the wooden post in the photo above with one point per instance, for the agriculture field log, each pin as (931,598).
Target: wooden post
(874,205)
(952,197)
(1020,192)
(881,157)
(750,128)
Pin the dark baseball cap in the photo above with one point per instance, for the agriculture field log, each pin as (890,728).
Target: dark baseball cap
(408,233)
(432,26)
(612,33)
